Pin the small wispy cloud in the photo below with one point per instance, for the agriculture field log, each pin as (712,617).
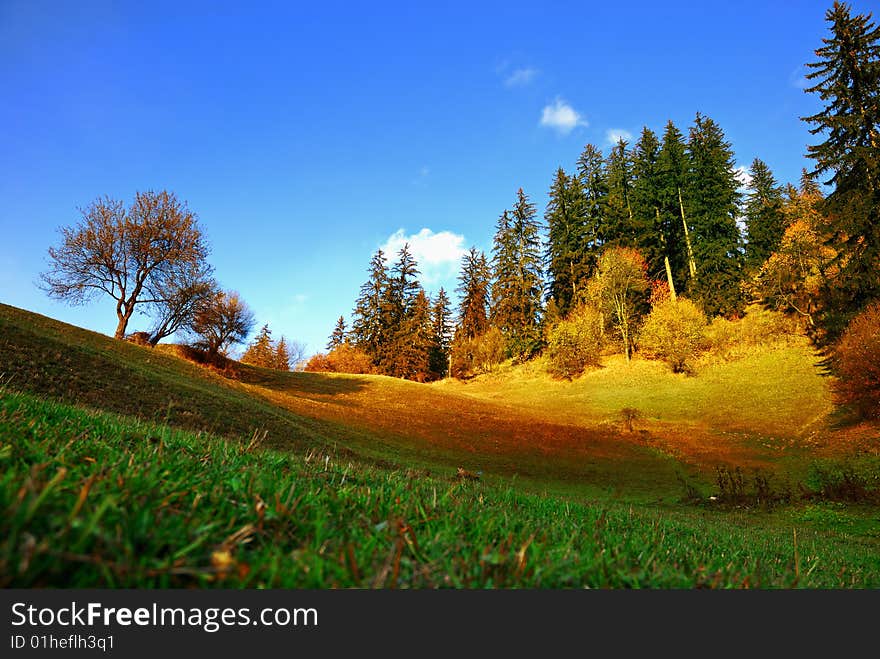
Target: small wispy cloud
(614,135)
(520,77)
(437,254)
(561,117)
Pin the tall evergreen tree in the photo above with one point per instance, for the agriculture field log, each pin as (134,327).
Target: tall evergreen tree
(408,353)
(366,325)
(567,269)
(593,181)
(672,173)
(338,337)
(398,299)
(646,204)
(473,288)
(441,334)
(281,357)
(620,229)
(517,287)
(765,221)
(261,352)
(847,78)
(714,208)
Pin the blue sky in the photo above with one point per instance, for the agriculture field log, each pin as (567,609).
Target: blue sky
(307,135)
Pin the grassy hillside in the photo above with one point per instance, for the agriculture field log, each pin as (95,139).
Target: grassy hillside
(95,499)
(124,465)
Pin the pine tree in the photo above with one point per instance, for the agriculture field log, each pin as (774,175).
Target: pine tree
(416,340)
(398,299)
(517,288)
(441,335)
(765,221)
(566,242)
(473,288)
(651,230)
(261,352)
(714,207)
(620,229)
(338,337)
(594,185)
(281,358)
(366,325)
(847,79)
(672,172)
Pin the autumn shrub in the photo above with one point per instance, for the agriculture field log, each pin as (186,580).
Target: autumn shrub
(674,331)
(574,344)
(344,358)
(857,363)
(478,355)
(759,326)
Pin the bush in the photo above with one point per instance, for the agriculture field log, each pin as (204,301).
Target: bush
(478,355)
(344,358)
(758,327)
(574,344)
(674,332)
(857,363)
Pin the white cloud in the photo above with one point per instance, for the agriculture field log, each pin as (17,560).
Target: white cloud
(520,77)
(743,176)
(614,135)
(438,255)
(561,117)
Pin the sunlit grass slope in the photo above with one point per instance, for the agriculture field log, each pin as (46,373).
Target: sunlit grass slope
(378,417)
(99,500)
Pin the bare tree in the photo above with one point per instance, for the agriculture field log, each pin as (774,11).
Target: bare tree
(297,352)
(224,319)
(130,254)
(181,300)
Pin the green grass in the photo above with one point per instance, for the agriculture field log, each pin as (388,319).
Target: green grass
(777,392)
(99,500)
(125,466)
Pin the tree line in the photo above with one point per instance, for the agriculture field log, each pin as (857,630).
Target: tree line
(666,212)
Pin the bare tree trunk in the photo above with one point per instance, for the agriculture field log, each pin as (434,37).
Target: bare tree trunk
(666,258)
(669,277)
(692,266)
(123,313)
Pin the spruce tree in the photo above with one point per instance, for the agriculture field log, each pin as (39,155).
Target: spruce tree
(566,242)
(714,207)
(652,232)
(366,325)
(408,352)
(517,287)
(672,172)
(261,352)
(338,337)
(401,290)
(620,229)
(281,358)
(765,221)
(594,186)
(847,78)
(473,288)
(441,335)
